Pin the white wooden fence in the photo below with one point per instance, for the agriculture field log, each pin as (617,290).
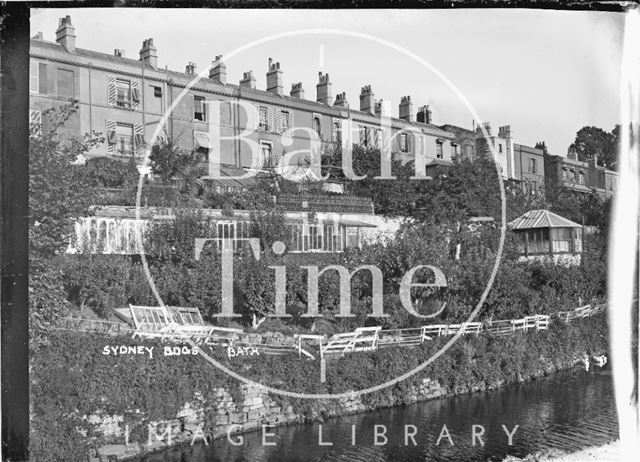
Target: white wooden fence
(180,324)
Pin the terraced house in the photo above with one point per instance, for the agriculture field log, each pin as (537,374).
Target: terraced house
(126,99)
(524,164)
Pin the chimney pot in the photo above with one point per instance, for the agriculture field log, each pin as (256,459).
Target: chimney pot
(297,91)
(406,109)
(323,89)
(274,79)
(424,115)
(341,100)
(248,80)
(218,71)
(505,131)
(190,68)
(366,99)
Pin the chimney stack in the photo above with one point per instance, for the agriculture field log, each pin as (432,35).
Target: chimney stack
(191,68)
(248,80)
(297,91)
(504,132)
(118,53)
(405,109)
(542,146)
(149,54)
(487,127)
(323,89)
(218,72)
(38,36)
(341,100)
(366,99)
(66,34)
(274,78)
(381,108)
(424,115)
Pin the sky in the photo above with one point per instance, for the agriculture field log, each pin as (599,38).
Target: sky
(544,73)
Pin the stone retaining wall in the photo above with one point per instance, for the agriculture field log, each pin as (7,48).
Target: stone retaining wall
(256,409)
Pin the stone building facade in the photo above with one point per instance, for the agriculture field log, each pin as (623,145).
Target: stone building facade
(127,99)
(578,176)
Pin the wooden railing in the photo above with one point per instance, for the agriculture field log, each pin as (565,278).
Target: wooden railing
(360,340)
(581,312)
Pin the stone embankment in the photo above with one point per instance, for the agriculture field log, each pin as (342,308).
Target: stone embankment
(257,409)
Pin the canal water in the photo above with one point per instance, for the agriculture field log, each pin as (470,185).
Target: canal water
(568,411)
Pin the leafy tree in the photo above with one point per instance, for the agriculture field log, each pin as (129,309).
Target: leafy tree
(58,193)
(112,173)
(47,301)
(268,225)
(173,240)
(390,197)
(169,160)
(469,189)
(595,143)
(97,281)
(520,201)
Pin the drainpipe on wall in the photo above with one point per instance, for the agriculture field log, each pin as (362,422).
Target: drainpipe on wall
(144,126)
(90,105)
(237,154)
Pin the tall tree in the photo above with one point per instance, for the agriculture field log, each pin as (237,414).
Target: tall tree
(596,143)
(169,160)
(58,191)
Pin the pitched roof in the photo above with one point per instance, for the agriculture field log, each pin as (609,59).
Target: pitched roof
(542,219)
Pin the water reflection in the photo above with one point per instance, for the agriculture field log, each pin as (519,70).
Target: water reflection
(568,411)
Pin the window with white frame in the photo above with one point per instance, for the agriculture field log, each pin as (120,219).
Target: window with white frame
(317,126)
(199,109)
(439,153)
(227,232)
(336,135)
(123,93)
(328,237)
(263,123)
(267,153)
(285,120)
(124,140)
(533,167)
(404,142)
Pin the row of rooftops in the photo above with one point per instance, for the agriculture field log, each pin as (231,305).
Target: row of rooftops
(369,110)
